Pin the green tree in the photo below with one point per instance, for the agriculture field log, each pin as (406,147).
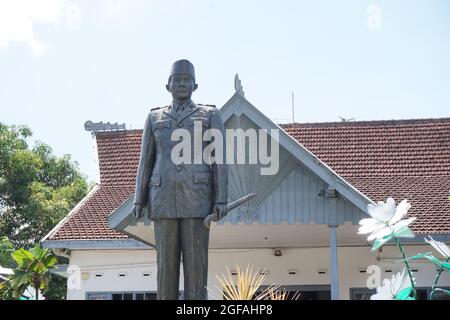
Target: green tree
(32,268)
(56,289)
(37,190)
(6,261)
(6,249)
(6,293)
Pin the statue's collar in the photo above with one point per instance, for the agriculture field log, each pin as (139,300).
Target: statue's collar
(189,108)
(175,104)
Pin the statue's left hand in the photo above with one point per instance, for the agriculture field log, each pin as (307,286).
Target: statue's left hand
(137,211)
(220,210)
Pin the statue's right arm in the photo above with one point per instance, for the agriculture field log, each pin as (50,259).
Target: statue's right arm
(146,162)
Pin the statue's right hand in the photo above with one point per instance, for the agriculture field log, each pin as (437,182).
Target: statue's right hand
(137,211)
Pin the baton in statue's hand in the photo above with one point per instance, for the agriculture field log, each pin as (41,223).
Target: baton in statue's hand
(214,217)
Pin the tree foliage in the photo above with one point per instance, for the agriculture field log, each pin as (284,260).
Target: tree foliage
(37,189)
(6,249)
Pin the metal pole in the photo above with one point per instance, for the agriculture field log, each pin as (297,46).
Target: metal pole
(334,274)
(293,118)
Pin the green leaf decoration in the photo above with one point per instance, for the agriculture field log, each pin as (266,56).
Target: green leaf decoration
(381,242)
(447,292)
(405,294)
(420,256)
(404,232)
(445,265)
(438,263)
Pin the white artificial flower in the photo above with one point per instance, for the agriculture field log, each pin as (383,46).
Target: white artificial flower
(392,287)
(386,219)
(440,247)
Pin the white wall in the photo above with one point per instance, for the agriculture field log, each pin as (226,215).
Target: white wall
(305,261)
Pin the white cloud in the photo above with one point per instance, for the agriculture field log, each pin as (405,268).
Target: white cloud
(17,19)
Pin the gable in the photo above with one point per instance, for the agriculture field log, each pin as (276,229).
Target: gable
(238,105)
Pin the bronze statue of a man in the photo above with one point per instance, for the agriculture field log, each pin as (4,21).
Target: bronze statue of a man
(180,196)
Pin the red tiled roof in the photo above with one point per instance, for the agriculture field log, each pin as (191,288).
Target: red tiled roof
(403,159)
(374,148)
(118,155)
(399,158)
(89,221)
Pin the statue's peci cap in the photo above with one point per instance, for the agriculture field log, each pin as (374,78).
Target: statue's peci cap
(182,67)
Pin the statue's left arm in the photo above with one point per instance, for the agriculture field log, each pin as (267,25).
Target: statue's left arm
(145,168)
(219,169)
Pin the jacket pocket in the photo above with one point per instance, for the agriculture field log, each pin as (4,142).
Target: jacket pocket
(204,120)
(155,181)
(161,124)
(202,177)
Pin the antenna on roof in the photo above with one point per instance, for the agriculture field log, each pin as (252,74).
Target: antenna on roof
(346,119)
(293,115)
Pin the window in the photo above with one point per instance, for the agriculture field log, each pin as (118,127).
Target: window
(150,296)
(98,296)
(312,295)
(139,296)
(121,295)
(128,296)
(125,295)
(422,294)
(361,293)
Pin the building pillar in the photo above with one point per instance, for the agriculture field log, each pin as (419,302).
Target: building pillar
(334,273)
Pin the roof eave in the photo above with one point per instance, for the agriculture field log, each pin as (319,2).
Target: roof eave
(61,223)
(107,244)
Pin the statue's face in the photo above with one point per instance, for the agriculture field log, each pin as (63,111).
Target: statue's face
(181,87)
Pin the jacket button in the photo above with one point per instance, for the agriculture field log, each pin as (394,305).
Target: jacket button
(178,167)
(180,125)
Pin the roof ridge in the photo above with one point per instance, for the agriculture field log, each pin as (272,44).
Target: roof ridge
(104,133)
(367,122)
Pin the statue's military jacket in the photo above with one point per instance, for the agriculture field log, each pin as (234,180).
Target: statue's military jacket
(186,190)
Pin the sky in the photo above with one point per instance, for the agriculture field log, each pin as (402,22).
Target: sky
(63,62)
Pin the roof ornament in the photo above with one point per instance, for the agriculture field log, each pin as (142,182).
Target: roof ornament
(100,126)
(238,85)
(346,119)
